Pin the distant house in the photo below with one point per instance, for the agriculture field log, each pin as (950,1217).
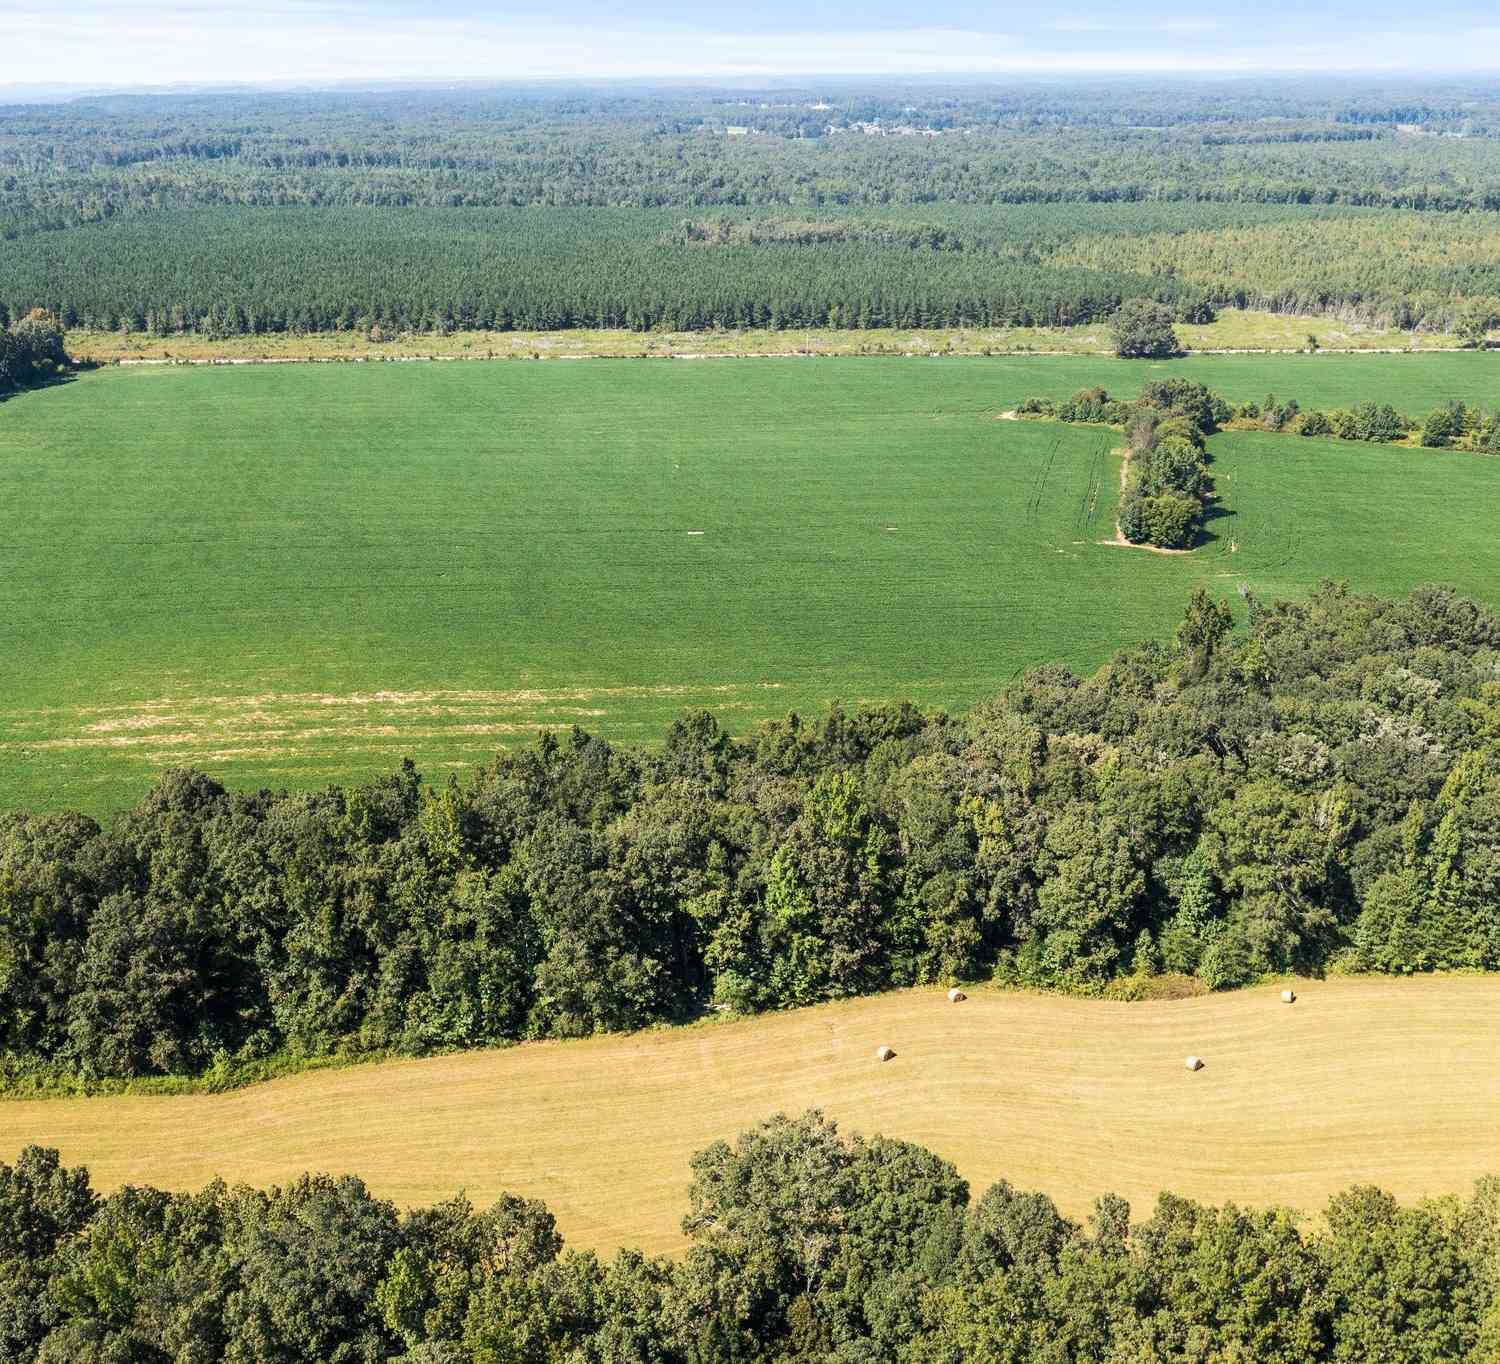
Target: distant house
(737,132)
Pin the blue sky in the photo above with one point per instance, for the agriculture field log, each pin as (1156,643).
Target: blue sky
(170,41)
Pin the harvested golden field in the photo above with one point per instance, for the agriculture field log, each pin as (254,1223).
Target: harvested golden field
(1391,1081)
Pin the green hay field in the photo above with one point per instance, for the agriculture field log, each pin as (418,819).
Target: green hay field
(297,574)
(1393,1082)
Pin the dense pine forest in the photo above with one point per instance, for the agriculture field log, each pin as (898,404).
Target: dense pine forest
(807,1244)
(235,270)
(1319,792)
(1029,204)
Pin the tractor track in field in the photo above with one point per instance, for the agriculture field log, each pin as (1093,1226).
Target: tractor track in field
(1039,486)
(1090,501)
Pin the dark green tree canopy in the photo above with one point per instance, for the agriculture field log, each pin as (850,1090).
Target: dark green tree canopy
(808,1244)
(1142,329)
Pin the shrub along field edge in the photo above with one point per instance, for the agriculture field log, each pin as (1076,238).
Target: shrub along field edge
(1234,331)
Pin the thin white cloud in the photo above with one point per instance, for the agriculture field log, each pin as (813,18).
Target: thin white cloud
(1146,27)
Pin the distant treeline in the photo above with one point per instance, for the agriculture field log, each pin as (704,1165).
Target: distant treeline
(236,271)
(1403,269)
(806,1245)
(245,213)
(1290,142)
(1320,791)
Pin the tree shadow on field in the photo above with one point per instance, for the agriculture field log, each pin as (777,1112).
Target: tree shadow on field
(54,381)
(1214,511)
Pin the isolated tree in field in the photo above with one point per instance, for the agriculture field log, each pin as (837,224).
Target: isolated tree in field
(1142,329)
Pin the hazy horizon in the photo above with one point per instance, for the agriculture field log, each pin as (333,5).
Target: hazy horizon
(100,44)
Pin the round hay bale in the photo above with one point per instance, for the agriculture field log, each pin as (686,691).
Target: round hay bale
(956,996)
(884,1054)
(1288,996)
(1193,1063)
